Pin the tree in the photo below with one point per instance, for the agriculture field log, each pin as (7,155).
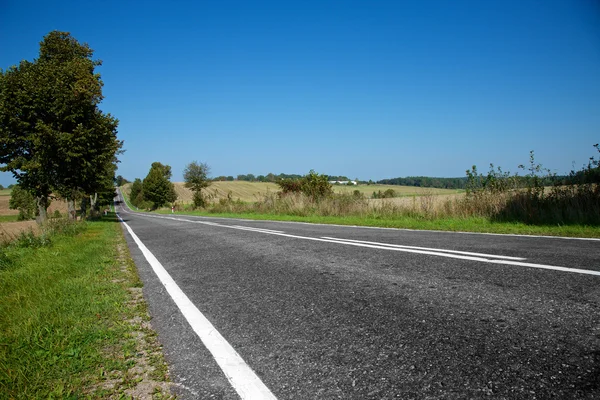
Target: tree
(22,200)
(157,186)
(53,136)
(135,195)
(196,178)
(313,185)
(120,181)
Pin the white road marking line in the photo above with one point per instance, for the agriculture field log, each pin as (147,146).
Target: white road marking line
(467,253)
(408,249)
(249,228)
(245,382)
(542,266)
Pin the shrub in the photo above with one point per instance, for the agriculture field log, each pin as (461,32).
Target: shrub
(22,200)
(313,185)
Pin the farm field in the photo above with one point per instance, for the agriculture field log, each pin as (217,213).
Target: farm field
(251,191)
(10,227)
(368,190)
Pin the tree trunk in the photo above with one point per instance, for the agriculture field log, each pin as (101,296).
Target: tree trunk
(71,209)
(42,204)
(93,205)
(84,207)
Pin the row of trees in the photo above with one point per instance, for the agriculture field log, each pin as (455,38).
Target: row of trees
(270,177)
(427,182)
(53,136)
(156,190)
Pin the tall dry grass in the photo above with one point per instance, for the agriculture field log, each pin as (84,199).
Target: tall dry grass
(559,206)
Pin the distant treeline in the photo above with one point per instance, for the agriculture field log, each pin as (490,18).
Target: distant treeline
(425,181)
(272,177)
(461,183)
(417,181)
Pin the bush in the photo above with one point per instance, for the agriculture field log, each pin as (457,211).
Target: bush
(22,200)
(313,185)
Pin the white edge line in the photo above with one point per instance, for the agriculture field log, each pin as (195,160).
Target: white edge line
(552,267)
(467,253)
(245,382)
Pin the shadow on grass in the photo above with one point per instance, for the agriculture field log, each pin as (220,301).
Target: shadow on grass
(551,211)
(110,217)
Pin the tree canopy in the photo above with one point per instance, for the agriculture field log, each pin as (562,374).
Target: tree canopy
(53,136)
(196,178)
(157,187)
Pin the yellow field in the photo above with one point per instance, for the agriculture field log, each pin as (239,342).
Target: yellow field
(368,190)
(252,191)
(244,191)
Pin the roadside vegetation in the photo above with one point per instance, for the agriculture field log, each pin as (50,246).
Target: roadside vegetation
(73,323)
(54,138)
(536,202)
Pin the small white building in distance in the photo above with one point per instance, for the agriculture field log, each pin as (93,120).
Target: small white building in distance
(343,182)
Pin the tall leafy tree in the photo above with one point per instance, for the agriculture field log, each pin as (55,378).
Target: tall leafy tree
(54,137)
(157,187)
(196,178)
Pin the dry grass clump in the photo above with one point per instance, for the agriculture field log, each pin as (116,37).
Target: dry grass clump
(559,206)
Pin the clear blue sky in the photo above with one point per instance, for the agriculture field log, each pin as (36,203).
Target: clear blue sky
(369,89)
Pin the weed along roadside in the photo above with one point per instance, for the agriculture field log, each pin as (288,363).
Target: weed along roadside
(73,322)
(424,212)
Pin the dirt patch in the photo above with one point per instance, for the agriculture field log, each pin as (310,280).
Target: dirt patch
(10,230)
(4,210)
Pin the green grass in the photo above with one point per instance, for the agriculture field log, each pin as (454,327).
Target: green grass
(63,313)
(472,224)
(5,192)
(9,218)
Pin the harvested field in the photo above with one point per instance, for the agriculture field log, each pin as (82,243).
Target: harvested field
(10,230)
(4,210)
(244,191)
(250,192)
(253,191)
(368,190)
(59,205)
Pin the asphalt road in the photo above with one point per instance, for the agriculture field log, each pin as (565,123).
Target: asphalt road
(328,312)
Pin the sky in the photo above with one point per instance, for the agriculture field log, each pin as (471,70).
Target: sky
(368,89)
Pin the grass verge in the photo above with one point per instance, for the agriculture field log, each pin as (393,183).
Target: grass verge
(73,323)
(416,215)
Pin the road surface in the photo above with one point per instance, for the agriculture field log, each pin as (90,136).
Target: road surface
(336,312)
